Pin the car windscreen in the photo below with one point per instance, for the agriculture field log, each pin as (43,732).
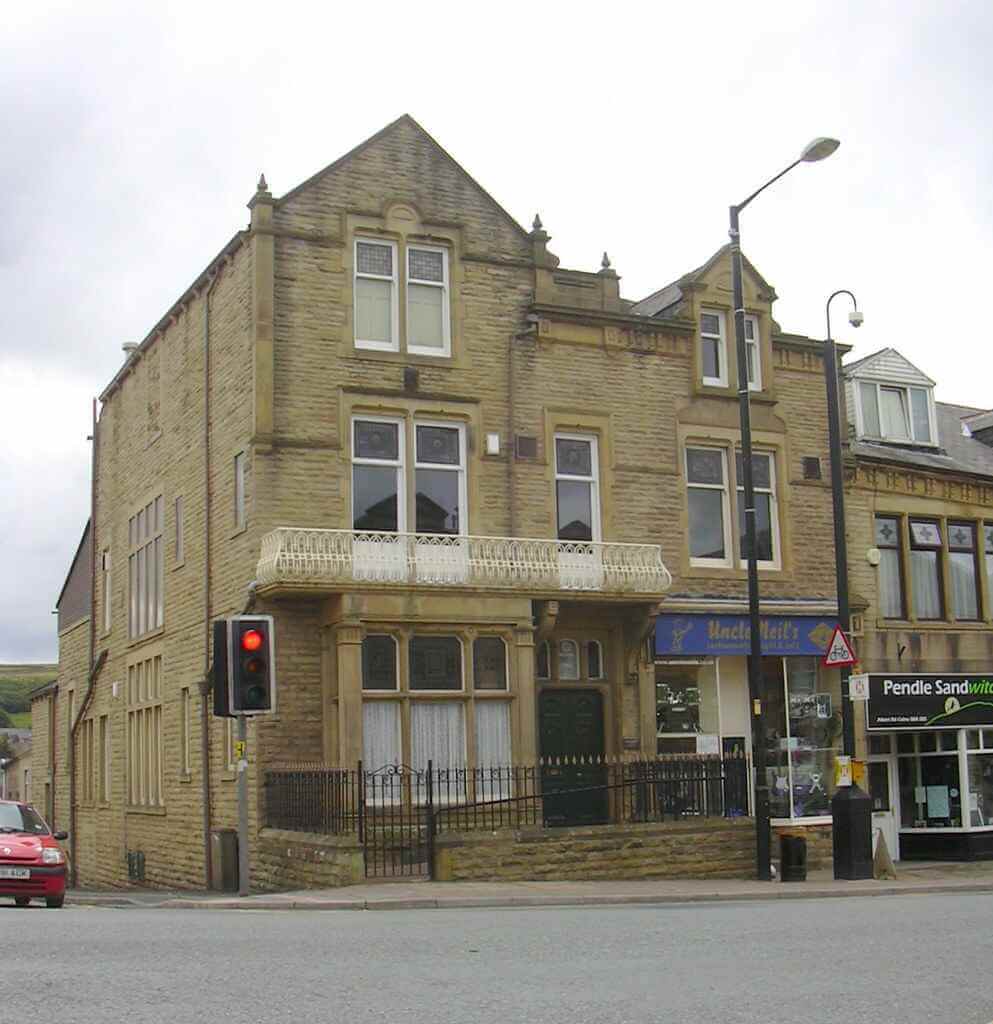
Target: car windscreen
(19,818)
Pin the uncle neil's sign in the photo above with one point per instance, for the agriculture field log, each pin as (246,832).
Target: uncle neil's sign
(929,702)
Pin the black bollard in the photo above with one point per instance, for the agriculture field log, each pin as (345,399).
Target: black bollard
(851,811)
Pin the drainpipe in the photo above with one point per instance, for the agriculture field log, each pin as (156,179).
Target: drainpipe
(95,666)
(205,687)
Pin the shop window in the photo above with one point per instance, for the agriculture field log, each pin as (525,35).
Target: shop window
(542,659)
(890,568)
(988,549)
(568,659)
(677,701)
(803,724)
(980,761)
(594,659)
(925,569)
(930,794)
(489,663)
(379,663)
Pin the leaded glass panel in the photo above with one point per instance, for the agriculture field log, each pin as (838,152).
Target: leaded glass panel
(438,445)
(379,663)
(489,662)
(374,259)
(375,440)
(573,457)
(426,265)
(704,466)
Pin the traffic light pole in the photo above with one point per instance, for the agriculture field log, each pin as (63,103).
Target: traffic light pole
(241,752)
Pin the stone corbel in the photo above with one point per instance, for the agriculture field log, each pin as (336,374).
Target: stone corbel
(637,630)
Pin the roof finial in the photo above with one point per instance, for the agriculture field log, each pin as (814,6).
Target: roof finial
(605,262)
(262,186)
(537,225)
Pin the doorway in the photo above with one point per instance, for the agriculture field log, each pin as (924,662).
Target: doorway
(881,782)
(570,727)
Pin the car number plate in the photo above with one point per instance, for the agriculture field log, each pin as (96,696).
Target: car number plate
(15,872)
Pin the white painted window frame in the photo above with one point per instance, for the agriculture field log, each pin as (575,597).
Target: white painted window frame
(754,345)
(378,346)
(399,464)
(728,560)
(593,480)
(877,386)
(720,381)
(739,495)
(460,469)
(446,319)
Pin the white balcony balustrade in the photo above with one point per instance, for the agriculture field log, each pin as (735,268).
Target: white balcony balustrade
(335,559)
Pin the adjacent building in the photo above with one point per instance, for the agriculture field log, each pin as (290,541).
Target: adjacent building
(920,538)
(492,506)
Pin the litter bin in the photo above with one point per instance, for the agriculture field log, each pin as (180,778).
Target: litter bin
(793,858)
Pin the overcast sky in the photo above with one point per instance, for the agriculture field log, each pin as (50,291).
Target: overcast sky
(133,136)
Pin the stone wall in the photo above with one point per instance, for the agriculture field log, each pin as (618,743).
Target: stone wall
(707,849)
(299,860)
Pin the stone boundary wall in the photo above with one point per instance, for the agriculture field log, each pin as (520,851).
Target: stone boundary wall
(301,860)
(705,849)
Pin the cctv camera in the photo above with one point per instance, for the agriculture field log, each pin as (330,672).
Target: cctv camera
(855,318)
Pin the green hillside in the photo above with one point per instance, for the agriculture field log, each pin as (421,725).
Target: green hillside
(16,682)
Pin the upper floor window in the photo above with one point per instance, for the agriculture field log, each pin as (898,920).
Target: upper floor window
(577,498)
(422,292)
(926,549)
(753,353)
(766,518)
(891,604)
(896,413)
(145,569)
(713,348)
(381,481)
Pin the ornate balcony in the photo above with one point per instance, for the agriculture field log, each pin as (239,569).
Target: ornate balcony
(333,560)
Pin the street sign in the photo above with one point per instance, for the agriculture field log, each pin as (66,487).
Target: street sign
(839,652)
(858,686)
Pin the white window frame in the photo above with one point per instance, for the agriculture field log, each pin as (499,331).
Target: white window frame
(754,345)
(720,381)
(460,469)
(725,488)
(739,495)
(398,464)
(446,318)
(593,480)
(877,386)
(380,346)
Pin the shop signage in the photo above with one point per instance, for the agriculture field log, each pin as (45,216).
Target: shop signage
(929,701)
(730,634)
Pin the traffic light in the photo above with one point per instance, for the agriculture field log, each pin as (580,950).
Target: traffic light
(244,679)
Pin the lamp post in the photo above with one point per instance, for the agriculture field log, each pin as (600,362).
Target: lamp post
(816,150)
(838,503)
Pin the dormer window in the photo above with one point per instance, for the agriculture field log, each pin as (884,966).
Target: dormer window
(894,412)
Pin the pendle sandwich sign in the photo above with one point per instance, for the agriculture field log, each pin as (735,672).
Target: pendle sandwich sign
(929,701)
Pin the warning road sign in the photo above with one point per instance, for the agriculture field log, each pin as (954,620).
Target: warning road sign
(839,652)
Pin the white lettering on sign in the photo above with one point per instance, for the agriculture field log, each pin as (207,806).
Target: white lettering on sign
(925,688)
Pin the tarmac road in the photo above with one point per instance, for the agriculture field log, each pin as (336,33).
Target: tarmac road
(880,960)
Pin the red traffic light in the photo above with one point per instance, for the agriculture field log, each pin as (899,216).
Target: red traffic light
(251,640)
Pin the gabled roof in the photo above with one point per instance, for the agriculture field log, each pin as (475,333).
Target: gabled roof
(671,293)
(882,364)
(75,559)
(407,120)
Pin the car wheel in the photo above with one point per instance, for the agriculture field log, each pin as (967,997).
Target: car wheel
(22,901)
(54,902)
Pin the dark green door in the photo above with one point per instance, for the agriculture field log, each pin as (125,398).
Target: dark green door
(571,726)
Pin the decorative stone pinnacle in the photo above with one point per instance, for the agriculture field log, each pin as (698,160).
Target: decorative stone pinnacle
(605,262)
(262,186)
(537,225)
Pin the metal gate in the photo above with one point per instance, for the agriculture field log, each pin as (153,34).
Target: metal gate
(396,821)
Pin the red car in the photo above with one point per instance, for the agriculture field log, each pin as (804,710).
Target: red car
(32,864)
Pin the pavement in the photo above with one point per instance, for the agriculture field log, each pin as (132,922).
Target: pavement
(414,894)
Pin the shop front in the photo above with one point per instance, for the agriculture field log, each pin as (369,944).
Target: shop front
(929,740)
(701,688)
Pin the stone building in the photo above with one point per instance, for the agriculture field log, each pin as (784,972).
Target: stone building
(919,511)
(465,481)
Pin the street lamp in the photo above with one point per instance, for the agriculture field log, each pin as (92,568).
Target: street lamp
(814,151)
(855,318)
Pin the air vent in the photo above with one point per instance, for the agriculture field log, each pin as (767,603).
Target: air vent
(526,447)
(811,467)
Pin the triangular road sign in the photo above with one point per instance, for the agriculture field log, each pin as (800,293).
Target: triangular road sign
(839,652)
